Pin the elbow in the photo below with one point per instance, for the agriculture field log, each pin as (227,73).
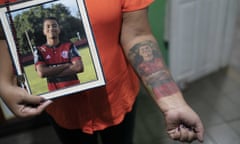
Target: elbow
(80,69)
(41,74)
(41,71)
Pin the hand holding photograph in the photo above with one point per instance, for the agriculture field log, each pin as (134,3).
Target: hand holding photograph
(52,46)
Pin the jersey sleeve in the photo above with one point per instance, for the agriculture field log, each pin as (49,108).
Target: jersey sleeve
(74,54)
(131,5)
(38,58)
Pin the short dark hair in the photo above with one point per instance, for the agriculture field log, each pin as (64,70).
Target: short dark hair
(50,18)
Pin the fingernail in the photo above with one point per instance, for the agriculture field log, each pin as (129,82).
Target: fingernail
(190,129)
(42,100)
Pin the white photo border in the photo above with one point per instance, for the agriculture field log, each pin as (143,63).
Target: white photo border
(100,81)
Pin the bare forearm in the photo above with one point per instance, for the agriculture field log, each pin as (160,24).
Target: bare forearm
(138,43)
(60,70)
(6,69)
(153,72)
(136,35)
(74,68)
(156,76)
(47,71)
(67,72)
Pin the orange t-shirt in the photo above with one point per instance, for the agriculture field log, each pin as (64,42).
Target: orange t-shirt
(3,1)
(102,107)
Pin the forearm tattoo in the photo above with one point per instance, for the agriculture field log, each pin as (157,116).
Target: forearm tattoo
(148,62)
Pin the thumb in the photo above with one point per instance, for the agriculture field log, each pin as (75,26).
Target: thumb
(33,105)
(200,131)
(31,99)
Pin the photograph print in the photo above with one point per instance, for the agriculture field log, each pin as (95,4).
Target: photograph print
(52,46)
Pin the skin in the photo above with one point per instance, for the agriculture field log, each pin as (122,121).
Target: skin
(51,30)
(17,99)
(182,123)
(146,52)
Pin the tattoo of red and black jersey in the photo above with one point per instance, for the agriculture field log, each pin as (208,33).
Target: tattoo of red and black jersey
(148,62)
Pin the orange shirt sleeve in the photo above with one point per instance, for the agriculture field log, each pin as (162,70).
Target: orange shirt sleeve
(131,5)
(3,1)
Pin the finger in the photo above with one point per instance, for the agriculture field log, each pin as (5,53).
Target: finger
(191,136)
(184,134)
(32,110)
(199,130)
(33,99)
(43,105)
(174,134)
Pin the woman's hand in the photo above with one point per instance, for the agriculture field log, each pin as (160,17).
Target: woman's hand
(22,104)
(183,124)
(18,100)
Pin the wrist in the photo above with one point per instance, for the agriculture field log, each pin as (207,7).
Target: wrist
(171,102)
(67,65)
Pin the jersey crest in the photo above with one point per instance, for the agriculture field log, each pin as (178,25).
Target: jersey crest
(64,54)
(48,57)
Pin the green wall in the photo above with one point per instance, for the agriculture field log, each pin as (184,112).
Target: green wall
(156,18)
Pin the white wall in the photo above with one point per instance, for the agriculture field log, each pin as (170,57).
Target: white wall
(201,35)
